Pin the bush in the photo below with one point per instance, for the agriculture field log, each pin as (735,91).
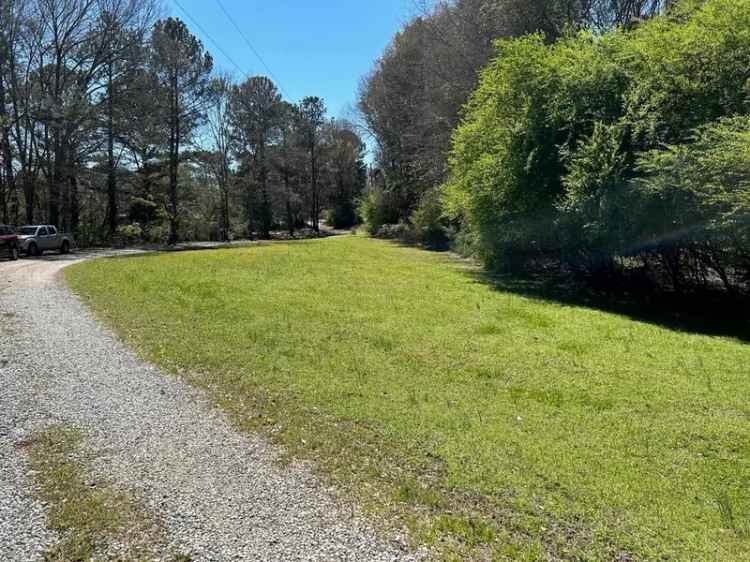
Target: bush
(696,201)
(377,208)
(129,233)
(151,218)
(430,226)
(593,211)
(341,216)
(157,233)
(401,231)
(628,144)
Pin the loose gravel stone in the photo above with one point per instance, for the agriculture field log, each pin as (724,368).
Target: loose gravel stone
(23,532)
(219,494)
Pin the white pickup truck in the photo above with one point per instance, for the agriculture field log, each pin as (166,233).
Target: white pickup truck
(35,240)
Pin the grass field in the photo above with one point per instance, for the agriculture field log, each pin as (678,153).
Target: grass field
(495,426)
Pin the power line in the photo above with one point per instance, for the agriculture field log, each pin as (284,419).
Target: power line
(250,45)
(215,43)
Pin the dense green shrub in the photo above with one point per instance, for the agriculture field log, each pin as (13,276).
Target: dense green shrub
(593,210)
(342,215)
(697,196)
(563,145)
(378,207)
(429,224)
(535,106)
(151,218)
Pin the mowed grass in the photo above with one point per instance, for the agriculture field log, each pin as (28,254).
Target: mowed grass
(495,426)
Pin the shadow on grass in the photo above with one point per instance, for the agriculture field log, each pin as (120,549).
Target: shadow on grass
(708,313)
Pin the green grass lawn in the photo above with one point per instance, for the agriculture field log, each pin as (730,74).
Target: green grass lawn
(495,426)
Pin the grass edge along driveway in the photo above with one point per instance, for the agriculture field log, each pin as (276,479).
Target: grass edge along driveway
(494,426)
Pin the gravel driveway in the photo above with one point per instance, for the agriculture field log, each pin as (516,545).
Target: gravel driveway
(217,493)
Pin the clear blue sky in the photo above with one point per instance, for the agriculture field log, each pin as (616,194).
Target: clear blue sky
(312,47)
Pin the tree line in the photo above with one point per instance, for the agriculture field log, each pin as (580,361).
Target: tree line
(412,100)
(115,125)
(612,144)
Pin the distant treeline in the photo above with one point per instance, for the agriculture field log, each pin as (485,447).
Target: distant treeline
(115,126)
(603,150)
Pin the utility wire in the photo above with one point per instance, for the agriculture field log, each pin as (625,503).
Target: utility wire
(253,49)
(215,43)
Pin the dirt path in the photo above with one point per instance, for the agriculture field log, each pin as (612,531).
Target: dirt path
(216,493)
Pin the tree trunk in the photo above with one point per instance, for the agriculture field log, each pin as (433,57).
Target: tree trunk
(314,180)
(174,163)
(22,146)
(222,211)
(7,193)
(3,200)
(266,213)
(29,197)
(75,205)
(289,214)
(112,210)
(225,213)
(223,179)
(57,178)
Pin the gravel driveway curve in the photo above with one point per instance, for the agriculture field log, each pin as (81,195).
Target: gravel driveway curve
(218,493)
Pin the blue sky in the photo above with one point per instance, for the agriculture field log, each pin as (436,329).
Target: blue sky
(312,47)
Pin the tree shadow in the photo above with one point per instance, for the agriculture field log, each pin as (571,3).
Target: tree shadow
(713,313)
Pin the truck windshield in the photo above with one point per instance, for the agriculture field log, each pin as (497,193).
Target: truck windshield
(27,231)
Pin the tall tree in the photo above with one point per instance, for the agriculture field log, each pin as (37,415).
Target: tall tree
(312,117)
(67,67)
(345,165)
(8,36)
(256,111)
(183,67)
(126,23)
(21,43)
(287,161)
(222,136)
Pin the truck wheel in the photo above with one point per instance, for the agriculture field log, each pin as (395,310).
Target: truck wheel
(34,250)
(65,248)
(14,253)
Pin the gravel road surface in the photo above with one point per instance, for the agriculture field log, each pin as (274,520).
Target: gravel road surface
(217,493)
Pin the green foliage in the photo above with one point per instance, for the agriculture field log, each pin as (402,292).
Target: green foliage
(347,172)
(429,224)
(593,210)
(130,233)
(546,162)
(699,193)
(412,100)
(256,111)
(151,218)
(685,70)
(506,174)
(342,215)
(706,181)
(378,207)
